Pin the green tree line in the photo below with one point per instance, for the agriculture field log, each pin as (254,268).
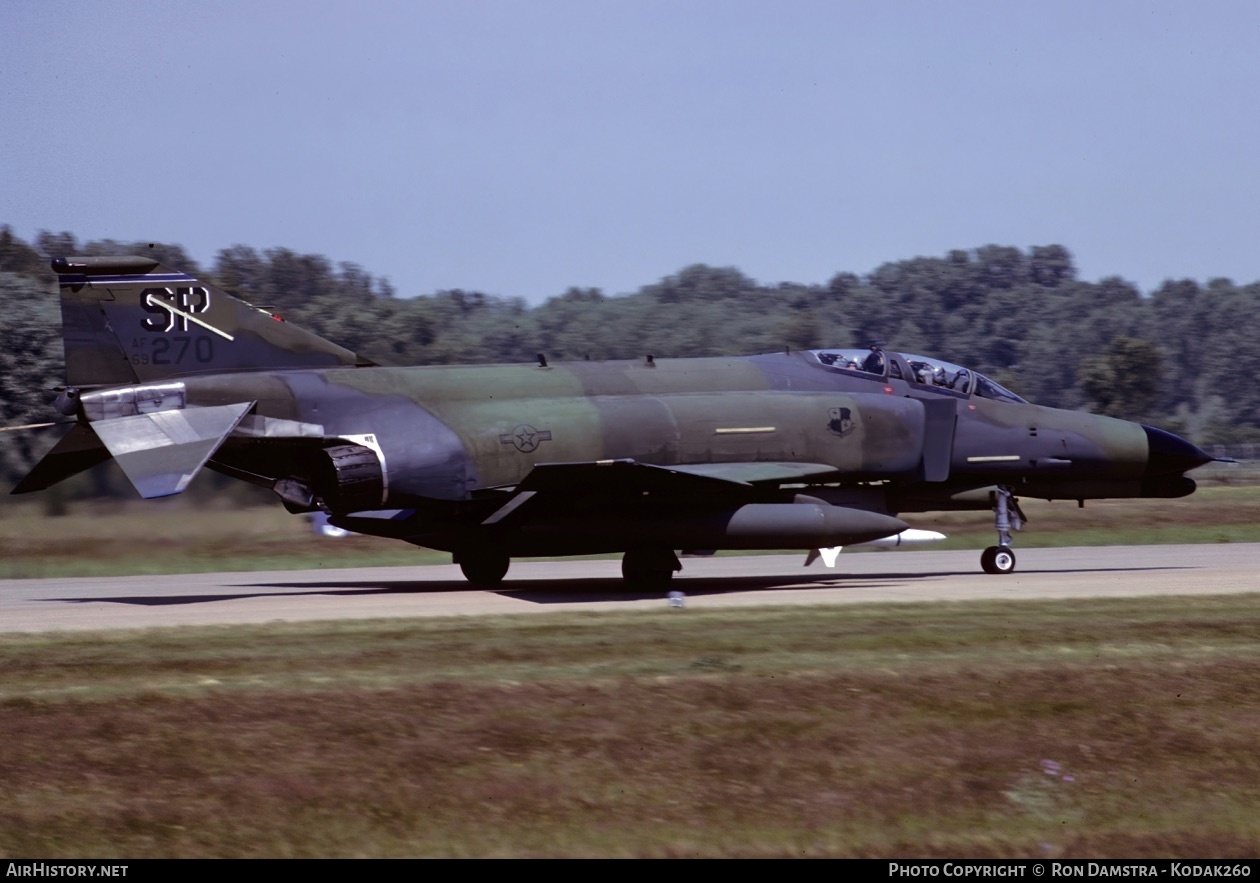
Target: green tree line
(1180,358)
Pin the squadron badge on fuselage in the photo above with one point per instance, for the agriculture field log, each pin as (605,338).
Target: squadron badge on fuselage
(840,421)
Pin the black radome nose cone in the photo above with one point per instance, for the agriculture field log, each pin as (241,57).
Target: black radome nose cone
(1170,454)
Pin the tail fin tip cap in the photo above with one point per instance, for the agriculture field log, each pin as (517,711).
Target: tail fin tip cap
(103,265)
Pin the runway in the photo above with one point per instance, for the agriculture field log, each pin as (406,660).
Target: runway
(546,586)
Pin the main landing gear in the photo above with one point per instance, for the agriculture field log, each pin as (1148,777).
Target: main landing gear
(649,568)
(484,568)
(1007,516)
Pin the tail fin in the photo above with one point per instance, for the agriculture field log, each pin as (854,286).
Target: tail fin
(130,320)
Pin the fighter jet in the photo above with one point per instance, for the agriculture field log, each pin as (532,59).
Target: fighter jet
(646,457)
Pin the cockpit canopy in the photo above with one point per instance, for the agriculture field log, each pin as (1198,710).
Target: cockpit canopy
(920,371)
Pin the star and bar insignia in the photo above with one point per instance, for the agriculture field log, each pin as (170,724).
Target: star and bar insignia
(525,438)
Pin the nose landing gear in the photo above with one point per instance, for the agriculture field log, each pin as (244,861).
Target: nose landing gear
(998,559)
(1007,516)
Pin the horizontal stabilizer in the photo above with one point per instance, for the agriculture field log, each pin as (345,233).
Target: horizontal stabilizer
(78,451)
(161,452)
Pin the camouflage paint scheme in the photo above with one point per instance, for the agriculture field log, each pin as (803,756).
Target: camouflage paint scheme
(788,450)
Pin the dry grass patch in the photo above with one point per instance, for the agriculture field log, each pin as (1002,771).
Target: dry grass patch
(1102,728)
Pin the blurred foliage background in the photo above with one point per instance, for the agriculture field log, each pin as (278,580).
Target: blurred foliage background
(1181,357)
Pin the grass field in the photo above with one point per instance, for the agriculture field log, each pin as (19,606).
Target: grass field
(1083,728)
(1117,728)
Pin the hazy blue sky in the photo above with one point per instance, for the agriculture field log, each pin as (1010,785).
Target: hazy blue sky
(522,147)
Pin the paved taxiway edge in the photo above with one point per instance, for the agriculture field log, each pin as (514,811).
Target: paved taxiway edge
(547,586)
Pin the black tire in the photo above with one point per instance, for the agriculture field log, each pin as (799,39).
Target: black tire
(998,560)
(484,568)
(648,568)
